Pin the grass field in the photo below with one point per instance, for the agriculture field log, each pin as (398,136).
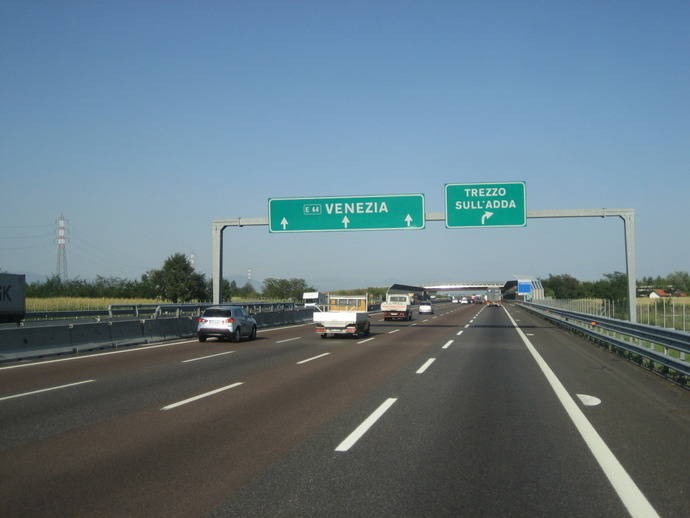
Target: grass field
(88,303)
(80,303)
(670,300)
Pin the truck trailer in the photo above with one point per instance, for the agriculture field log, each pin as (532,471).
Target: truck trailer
(494,296)
(345,315)
(12,301)
(397,307)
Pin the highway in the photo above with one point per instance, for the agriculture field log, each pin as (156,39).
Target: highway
(472,411)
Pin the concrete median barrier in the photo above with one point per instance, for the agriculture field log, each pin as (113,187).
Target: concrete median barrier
(90,336)
(32,342)
(130,332)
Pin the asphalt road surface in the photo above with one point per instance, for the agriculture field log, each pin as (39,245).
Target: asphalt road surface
(472,411)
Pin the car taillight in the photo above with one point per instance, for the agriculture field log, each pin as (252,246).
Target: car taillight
(201,320)
(230,320)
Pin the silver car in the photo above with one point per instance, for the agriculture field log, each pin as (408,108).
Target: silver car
(425,307)
(226,322)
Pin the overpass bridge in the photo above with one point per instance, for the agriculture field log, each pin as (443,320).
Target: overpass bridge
(461,286)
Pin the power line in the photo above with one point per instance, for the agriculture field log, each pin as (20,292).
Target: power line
(47,245)
(38,236)
(26,226)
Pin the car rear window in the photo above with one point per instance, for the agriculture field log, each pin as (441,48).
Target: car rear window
(217,313)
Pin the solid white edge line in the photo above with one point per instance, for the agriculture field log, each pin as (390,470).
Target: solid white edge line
(358,432)
(313,358)
(204,357)
(283,327)
(447,345)
(45,390)
(634,501)
(367,340)
(425,365)
(200,396)
(288,340)
(130,349)
(394,331)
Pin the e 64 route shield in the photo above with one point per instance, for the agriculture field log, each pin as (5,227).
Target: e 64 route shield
(346,213)
(480,205)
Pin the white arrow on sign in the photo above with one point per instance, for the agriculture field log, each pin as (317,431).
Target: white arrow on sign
(408,220)
(486,216)
(284,223)
(346,221)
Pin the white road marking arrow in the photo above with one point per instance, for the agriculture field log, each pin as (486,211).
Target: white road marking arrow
(486,216)
(589,400)
(284,223)
(408,220)
(346,221)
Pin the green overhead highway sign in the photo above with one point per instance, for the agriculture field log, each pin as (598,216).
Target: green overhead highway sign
(479,205)
(342,213)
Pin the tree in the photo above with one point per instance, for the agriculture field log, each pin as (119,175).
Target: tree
(276,288)
(285,289)
(679,280)
(562,286)
(247,291)
(614,286)
(176,281)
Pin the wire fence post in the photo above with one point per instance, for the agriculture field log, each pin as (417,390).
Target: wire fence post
(673,313)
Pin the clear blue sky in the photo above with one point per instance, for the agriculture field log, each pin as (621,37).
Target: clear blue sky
(144,121)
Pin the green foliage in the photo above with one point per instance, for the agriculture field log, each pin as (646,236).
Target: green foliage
(285,289)
(176,281)
(562,286)
(613,286)
(679,281)
(247,291)
(374,292)
(101,287)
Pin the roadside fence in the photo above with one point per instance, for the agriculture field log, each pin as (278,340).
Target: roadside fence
(664,351)
(660,312)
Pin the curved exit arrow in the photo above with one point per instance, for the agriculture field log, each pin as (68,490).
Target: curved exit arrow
(486,216)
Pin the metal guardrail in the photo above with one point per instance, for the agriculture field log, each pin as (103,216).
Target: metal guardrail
(154,310)
(590,324)
(56,337)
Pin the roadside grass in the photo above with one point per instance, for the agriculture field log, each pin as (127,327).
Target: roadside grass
(34,304)
(668,301)
(80,303)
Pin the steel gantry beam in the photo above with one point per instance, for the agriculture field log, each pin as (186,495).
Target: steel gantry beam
(627,215)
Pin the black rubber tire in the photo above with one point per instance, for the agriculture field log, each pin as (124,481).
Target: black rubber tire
(202,338)
(324,335)
(237,335)
(252,336)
